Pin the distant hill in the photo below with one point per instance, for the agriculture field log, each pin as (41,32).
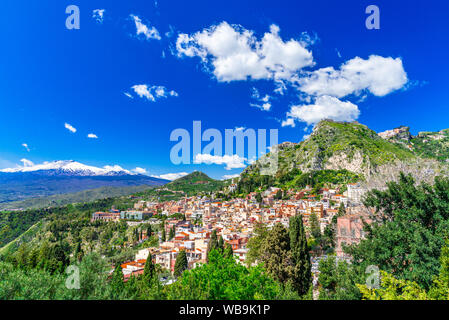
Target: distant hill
(60,177)
(196,182)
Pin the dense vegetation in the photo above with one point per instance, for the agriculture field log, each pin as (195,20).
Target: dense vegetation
(432,145)
(195,183)
(296,179)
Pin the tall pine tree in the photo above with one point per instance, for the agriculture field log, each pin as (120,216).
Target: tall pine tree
(302,274)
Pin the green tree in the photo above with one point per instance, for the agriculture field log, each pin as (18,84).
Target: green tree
(149,230)
(213,243)
(341,210)
(181,263)
(171,234)
(117,284)
(275,253)
(338,281)
(258,197)
(149,271)
(255,243)
(408,232)
(223,279)
(220,244)
(315,229)
(164,236)
(302,275)
(228,252)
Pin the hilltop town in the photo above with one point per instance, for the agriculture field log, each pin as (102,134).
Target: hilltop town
(234,221)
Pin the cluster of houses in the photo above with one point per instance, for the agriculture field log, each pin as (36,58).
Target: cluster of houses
(235,220)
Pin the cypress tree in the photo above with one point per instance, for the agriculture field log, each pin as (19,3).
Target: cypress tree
(213,243)
(341,210)
(117,284)
(172,233)
(213,240)
(150,270)
(181,263)
(228,252)
(302,274)
(221,244)
(315,227)
(149,231)
(164,236)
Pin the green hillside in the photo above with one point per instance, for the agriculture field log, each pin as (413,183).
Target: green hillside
(433,145)
(338,152)
(196,182)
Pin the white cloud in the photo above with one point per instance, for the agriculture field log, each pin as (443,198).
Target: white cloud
(92,136)
(234,53)
(98,15)
(140,170)
(26,146)
(27,163)
(231,162)
(239,128)
(230,176)
(325,107)
(153,93)
(289,122)
(171,176)
(378,75)
(263,102)
(149,33)
(128,95)
(69,127)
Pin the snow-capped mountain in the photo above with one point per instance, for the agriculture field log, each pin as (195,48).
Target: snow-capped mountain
(70,168)
(59,177)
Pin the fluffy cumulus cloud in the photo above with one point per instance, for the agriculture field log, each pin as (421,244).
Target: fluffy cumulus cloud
(92,136)
(139,170)
(171,176)
(377,75)
(70,127)
(152,93)
(234,53)
(142,29)
(325,107)
(98,15)
(231,162)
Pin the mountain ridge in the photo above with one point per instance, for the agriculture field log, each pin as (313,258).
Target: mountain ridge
(61,177)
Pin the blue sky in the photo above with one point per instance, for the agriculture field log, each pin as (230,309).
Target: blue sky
(51,76)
